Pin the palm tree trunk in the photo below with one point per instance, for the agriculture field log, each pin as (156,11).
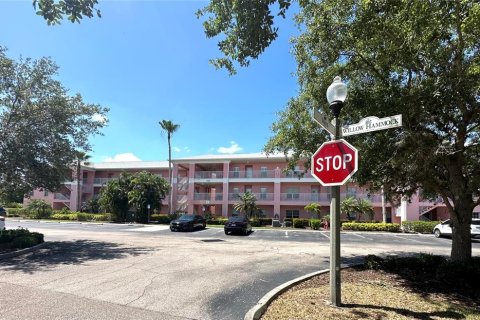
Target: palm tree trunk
(79,193)
(170,197)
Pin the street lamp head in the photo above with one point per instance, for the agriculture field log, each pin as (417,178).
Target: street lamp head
(336,95)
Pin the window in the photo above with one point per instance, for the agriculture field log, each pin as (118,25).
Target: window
(263,193)
(249,172)
(263,172)
(45,193)
(236,192)
(248,189)
(236,172)
(292,214)
(314,192)
(293,193)
(352,192)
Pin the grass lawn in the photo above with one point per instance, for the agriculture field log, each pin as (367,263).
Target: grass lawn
(377,294)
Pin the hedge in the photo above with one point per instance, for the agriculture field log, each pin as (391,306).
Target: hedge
(161,218)
(358,226)
(218,221)
(419,226)
(16,212)
(19,238)
(316,224)
(301,222)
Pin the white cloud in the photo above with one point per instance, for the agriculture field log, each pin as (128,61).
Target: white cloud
(99,118)
(186,149)
(122,157)
(234,147)
(176,149)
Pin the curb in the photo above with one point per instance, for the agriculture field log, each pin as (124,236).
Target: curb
(23,251)
(257,311)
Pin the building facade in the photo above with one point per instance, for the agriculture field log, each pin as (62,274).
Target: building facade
(214,183)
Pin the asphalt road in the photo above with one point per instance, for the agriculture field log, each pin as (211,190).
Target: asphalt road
(95,271)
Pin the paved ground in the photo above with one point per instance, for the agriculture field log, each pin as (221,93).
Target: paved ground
(135,272)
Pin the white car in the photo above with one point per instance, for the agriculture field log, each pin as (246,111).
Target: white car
(444,228)
(2,222)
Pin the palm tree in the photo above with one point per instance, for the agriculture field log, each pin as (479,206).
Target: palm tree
(364,207)
(348,206)
(169,127)
(247,205)
(81,158)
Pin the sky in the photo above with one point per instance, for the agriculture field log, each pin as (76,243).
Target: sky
(148,61)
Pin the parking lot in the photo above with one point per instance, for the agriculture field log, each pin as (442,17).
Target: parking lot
(135,271)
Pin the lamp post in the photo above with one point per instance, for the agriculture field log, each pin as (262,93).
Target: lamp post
(336,95)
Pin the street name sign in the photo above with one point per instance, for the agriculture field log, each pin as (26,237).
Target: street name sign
(334,163)
(369,124)
(322,120)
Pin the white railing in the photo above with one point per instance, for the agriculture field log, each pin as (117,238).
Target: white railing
(254,174)
(259,196)
(60,196)
(208,196)
(208,175)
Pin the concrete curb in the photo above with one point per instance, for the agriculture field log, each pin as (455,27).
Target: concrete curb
(23,251)
(257,311)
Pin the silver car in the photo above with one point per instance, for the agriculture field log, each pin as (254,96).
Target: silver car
(445,229)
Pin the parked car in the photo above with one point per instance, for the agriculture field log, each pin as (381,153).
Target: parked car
(445,229)
(188,222)
(3,214)
(238,224)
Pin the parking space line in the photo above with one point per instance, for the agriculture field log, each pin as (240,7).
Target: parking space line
(409,238)
(360,236)
(323,234)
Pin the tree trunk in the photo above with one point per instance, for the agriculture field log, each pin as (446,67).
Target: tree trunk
(461,233)
(79,193)
(170,196)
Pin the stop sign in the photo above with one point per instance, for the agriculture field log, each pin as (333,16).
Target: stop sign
(334,162)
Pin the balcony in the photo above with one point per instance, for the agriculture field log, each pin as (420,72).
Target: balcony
(296,174)
(208,196)
(255,174)
(208,175)
(102,181)
(258,196)
(305,197)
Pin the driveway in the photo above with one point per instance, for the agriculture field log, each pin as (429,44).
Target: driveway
(136,272)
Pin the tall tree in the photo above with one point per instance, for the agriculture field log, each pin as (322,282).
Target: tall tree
(114,197)
(364,207)
(81,158)
(348,206)
(314,208)
(415,58)
(169,127)
(41,125)
(146,189)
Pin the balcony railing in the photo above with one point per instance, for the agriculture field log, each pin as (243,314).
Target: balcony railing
(305,197)
(296,174)
(254,174)
(208,196)
(102,181)
(259,196)
(209,175)
(60,196)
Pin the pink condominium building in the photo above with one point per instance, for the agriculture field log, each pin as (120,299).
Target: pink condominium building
(213,183)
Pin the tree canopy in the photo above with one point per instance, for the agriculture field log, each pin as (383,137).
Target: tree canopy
(41,125)
(74,10)
(415,58)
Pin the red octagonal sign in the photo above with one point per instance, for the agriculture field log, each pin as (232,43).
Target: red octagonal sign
(334,162)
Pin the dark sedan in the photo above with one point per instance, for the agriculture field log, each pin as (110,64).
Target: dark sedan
(188,222)
(238,224)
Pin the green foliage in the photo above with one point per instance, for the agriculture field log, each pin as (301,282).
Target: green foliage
(114,197)
(358,226)
(316,224)
(247,28)
(314,208)
(300,222)
(247,205)
(16,212)
(38,209)
(419,226)
(79,216)
(359,206)
(54,11)
(161,218)
(15,205)
(41,125)
(218,221)
(265,221)
(19,238)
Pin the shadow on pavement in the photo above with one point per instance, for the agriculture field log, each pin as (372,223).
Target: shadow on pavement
(70,253)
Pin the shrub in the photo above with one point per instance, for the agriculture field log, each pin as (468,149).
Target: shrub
(255,222)
(63,216)
(453,272)
(265,221)
(218,221)
(419,226)
(315,224)
(300,223)
(358,226)
(19,238)
(16,212)
(373,262)
(288,222)
(102,216)
(161,218)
